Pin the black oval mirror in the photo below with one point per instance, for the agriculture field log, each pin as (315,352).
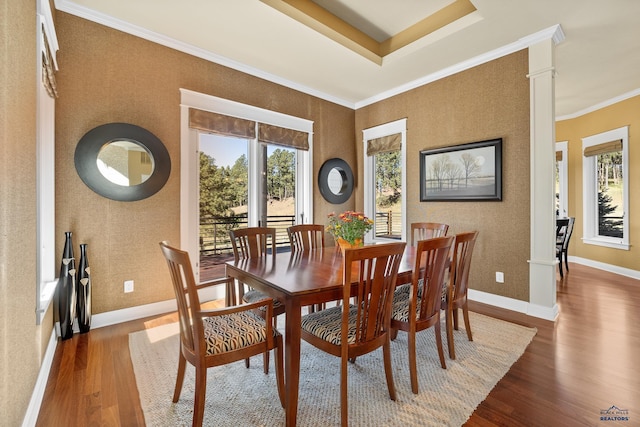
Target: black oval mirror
(122,161)
(335,181)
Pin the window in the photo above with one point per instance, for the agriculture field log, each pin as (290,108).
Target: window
(606,188)
(562,208)
(385,180)
(267,155)
(46,66)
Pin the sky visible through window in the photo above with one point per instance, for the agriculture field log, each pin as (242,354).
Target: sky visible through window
(226,150)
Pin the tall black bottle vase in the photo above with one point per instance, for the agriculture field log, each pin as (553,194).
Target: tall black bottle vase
(66,290)
(83,292)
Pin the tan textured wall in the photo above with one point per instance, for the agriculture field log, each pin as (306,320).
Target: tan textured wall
(108,76)
(486,102)
(19,336)
(624,113)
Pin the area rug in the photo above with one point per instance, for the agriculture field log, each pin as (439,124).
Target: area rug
(237,396)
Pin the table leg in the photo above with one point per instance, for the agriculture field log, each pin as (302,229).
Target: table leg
(292,360)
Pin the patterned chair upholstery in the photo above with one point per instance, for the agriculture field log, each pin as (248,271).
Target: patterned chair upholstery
(217,337)
(351,330)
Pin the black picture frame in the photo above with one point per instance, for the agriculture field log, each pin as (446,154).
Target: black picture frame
(465,172)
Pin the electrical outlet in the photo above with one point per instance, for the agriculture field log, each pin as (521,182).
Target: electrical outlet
(499,277)
(128,286)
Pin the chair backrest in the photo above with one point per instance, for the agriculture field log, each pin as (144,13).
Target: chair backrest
(461,264)
(427,230)
(305,237)
(432,259)
(372,270)
(184,287)
(564,229)
(253,242)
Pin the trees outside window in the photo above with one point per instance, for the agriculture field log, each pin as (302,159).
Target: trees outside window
(606,189)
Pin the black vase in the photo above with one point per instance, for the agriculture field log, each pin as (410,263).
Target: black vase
(66,290)
(83,291)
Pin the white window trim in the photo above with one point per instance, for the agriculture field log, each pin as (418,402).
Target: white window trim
(589,183)
(398,126)
(189,203)
(45,174)
(563,178)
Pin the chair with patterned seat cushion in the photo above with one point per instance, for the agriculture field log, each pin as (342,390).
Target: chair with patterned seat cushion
(217,337)
(455,296)
(427,230)
(416,306)
(253,242)
(351,330)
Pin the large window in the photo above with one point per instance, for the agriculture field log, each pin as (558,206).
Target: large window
(240,166)
(606,188)
(385,180)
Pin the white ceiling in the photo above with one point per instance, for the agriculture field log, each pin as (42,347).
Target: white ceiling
(597,62)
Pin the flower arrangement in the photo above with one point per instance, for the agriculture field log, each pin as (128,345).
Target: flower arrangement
(349,226)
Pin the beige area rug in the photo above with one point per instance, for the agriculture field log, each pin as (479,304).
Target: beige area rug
(242,397)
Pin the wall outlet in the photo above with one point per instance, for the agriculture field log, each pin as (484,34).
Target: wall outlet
(499,277)
(128,286)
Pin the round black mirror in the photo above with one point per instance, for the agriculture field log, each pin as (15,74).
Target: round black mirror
(335,181)
(122,161)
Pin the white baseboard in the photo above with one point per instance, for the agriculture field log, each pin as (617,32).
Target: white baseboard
(547,313)
(634,274)
(33,409)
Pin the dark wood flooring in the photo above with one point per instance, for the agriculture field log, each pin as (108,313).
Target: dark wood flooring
(574,368)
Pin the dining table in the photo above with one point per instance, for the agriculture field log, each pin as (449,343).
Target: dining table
(297,280)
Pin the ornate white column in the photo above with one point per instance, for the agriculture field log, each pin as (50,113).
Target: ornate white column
(542,264)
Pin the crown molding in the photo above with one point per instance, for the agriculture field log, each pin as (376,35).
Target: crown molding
(555,33)
(600,105)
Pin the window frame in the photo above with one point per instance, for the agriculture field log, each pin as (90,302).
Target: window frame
(391,128)
(189,164)
(46,280)
(590,190)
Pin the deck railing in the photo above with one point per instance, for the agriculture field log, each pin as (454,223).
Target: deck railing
(214,231)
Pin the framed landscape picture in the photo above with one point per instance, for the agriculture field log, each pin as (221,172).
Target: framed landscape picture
(466,172)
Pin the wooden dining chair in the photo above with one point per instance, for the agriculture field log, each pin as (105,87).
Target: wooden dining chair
(253,242)
(351,330)
(564,229)
(456,293)
(304,238)
(216,337)
(416,306)
(427,230)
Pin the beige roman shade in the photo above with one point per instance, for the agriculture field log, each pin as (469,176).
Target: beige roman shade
(207,121)
(607,147)
(384,144)
(277,135)
(558,156)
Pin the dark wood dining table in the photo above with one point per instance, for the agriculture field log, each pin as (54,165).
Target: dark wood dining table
(299,280)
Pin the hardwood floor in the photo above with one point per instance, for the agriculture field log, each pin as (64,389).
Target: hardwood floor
(574,368)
